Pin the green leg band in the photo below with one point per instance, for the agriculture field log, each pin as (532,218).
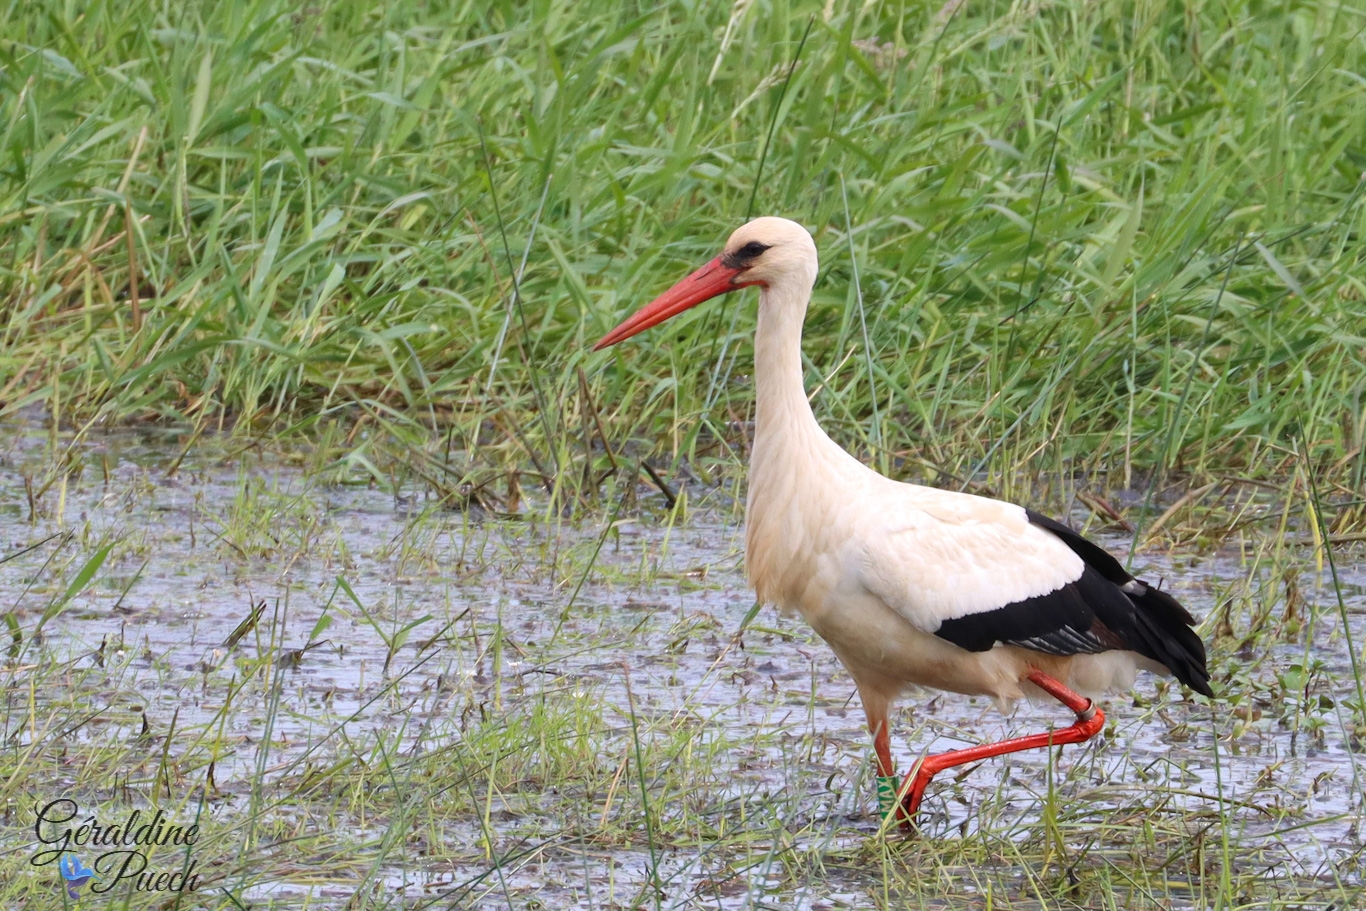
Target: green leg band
(887,788)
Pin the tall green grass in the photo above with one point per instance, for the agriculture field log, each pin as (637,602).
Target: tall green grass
(1110,235)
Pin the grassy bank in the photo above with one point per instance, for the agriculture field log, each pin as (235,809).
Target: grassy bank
(1120,237)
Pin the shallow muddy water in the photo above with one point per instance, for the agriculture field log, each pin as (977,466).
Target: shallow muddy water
(661,757)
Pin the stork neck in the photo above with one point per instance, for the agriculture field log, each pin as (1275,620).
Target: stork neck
(781,407)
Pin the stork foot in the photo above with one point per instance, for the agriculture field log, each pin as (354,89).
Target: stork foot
(1090,721)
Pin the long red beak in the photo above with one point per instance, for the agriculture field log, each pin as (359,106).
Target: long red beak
(713,279)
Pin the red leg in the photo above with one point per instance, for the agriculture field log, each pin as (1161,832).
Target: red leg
(1090,719)
(888,784)
(882,745)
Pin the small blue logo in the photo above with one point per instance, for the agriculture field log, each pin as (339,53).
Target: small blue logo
(75,873)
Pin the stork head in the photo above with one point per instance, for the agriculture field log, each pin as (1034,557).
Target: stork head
(771,252)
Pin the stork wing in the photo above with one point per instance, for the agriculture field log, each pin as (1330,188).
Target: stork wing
(978,572)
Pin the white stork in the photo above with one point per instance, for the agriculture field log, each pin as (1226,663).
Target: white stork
(911,585)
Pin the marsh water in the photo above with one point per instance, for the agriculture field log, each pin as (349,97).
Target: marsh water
(254,622)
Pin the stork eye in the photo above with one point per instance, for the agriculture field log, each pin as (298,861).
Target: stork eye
(751,250)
